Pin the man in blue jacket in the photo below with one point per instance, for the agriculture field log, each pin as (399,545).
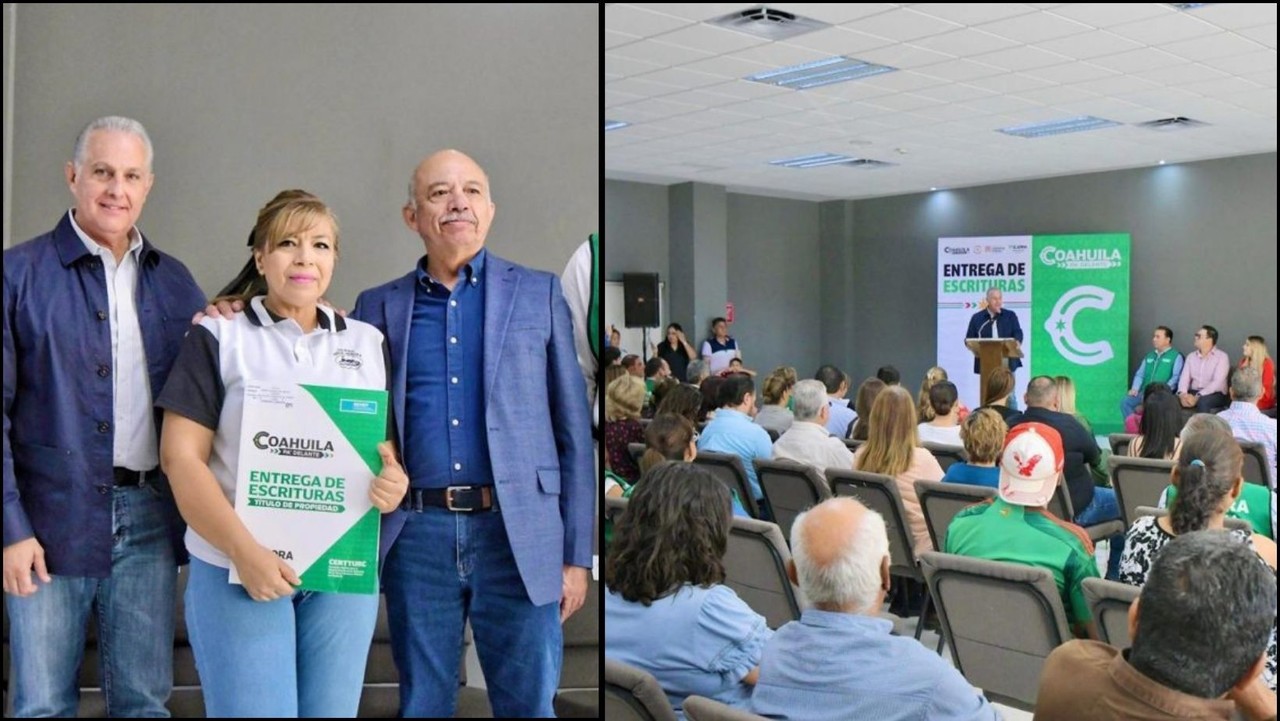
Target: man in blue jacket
(496,438)
(93,318)
(996,322)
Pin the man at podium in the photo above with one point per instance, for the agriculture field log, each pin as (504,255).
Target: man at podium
(995,322)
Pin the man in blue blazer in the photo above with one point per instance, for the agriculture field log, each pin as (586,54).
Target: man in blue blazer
(996,322)
(496,438)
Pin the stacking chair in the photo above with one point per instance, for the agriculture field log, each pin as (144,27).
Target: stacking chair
(880,493)
(636,450)
(1137,482)
(946,455)
(1060,506)
(697,708)
(1109,605)
(790,488)
(1001,620)
(633,695)
(773,435)
(755,567)
(1120,443)
(1255,463)
(941,502)
(851,444)
(578,694)
(728,468)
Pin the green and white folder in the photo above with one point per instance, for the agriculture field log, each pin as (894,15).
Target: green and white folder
(307,457)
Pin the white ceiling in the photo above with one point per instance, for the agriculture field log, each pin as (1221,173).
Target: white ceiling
(965,69)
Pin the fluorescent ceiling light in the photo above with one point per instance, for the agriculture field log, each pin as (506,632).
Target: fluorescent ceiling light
(614,124)
(819,73)
(1058,127)
(819,160)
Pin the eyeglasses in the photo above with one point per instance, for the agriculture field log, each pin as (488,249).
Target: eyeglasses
(695,437)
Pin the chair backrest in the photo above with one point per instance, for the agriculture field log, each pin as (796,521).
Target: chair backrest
(728,468)
(790,488)
(1137,482)
(633,695)
(1255,463)
(1060,503)
(1231,524)
(880,493)
(773,434)
(941,502)
(636,450)
(1120,443)
(697,708)
(1000,619)
(851,444)
(946,455)
(755,567)
(1109,605)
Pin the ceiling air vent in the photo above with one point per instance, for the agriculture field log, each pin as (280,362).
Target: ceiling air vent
(765,22)
(1171,124)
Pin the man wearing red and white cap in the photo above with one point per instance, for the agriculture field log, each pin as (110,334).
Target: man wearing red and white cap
(1016,528)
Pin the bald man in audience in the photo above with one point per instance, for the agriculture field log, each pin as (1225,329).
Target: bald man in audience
(1199,633)
(839,660)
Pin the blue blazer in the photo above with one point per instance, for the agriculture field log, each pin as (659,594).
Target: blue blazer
(1006,327)
(536,415)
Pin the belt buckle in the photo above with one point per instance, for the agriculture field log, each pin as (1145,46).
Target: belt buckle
(448,498)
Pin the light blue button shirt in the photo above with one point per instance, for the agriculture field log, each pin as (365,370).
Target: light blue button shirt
(840,666)
(734,432)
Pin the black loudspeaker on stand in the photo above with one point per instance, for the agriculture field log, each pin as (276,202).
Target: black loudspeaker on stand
(640,304)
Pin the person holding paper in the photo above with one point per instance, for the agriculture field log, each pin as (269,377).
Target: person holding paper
(263,648)
(93,315)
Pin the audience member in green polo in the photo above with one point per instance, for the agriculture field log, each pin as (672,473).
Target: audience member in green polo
(1016,528)
(1255,505)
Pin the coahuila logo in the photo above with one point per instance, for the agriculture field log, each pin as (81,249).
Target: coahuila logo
(1061,325)
(296,447)
(1080,258)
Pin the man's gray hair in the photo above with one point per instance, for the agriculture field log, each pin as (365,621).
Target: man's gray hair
(1042,391)
(110,122)
(1246,385)
(1205,614)
(1204,422)
(810,397)
(697,371)
(852,578)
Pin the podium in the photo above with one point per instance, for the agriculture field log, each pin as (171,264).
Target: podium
(991,353)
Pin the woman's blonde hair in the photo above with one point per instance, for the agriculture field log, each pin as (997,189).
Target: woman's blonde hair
(999,386)
(1257,354)
(781,380)
(891,435)
(983,435)
(924,408)
(624,398)
(1066,394)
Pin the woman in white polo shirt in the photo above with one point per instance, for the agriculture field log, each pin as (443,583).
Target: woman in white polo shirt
(262,648)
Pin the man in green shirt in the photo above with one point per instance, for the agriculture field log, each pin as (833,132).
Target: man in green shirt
(1015,527)
(1162,365)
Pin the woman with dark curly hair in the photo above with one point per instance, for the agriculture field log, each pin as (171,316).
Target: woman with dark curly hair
(667,610)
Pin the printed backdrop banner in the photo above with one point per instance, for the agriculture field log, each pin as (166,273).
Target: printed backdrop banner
(1071,294)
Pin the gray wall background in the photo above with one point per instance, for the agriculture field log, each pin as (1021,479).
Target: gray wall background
(852,282)
(242,101)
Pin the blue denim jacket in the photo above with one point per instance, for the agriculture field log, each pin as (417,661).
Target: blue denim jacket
(58,413)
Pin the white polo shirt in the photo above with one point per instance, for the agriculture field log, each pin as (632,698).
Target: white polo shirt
(219,356)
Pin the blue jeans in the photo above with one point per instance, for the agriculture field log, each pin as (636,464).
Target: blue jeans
(1129,404)
(296,657)
(1104,507)
(134,609)
(444,567)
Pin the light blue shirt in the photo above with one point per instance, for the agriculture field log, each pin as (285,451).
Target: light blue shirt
(701,641)
(734,432)
(840,666)
(841,418)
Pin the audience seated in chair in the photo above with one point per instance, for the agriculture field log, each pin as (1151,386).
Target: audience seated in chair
(774,415)
(839,661)
(867,393)
(1162,421)
(841,417)
(667,610)
(624,398)
(1198,629)
(731,431)
(670,437)
(983,435)
(1015,527)
(999,392)
(1208,477)
(1246,421)
(944,427)
(808,441)
(1256,504)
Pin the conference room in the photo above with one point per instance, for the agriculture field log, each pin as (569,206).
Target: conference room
(874,195)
